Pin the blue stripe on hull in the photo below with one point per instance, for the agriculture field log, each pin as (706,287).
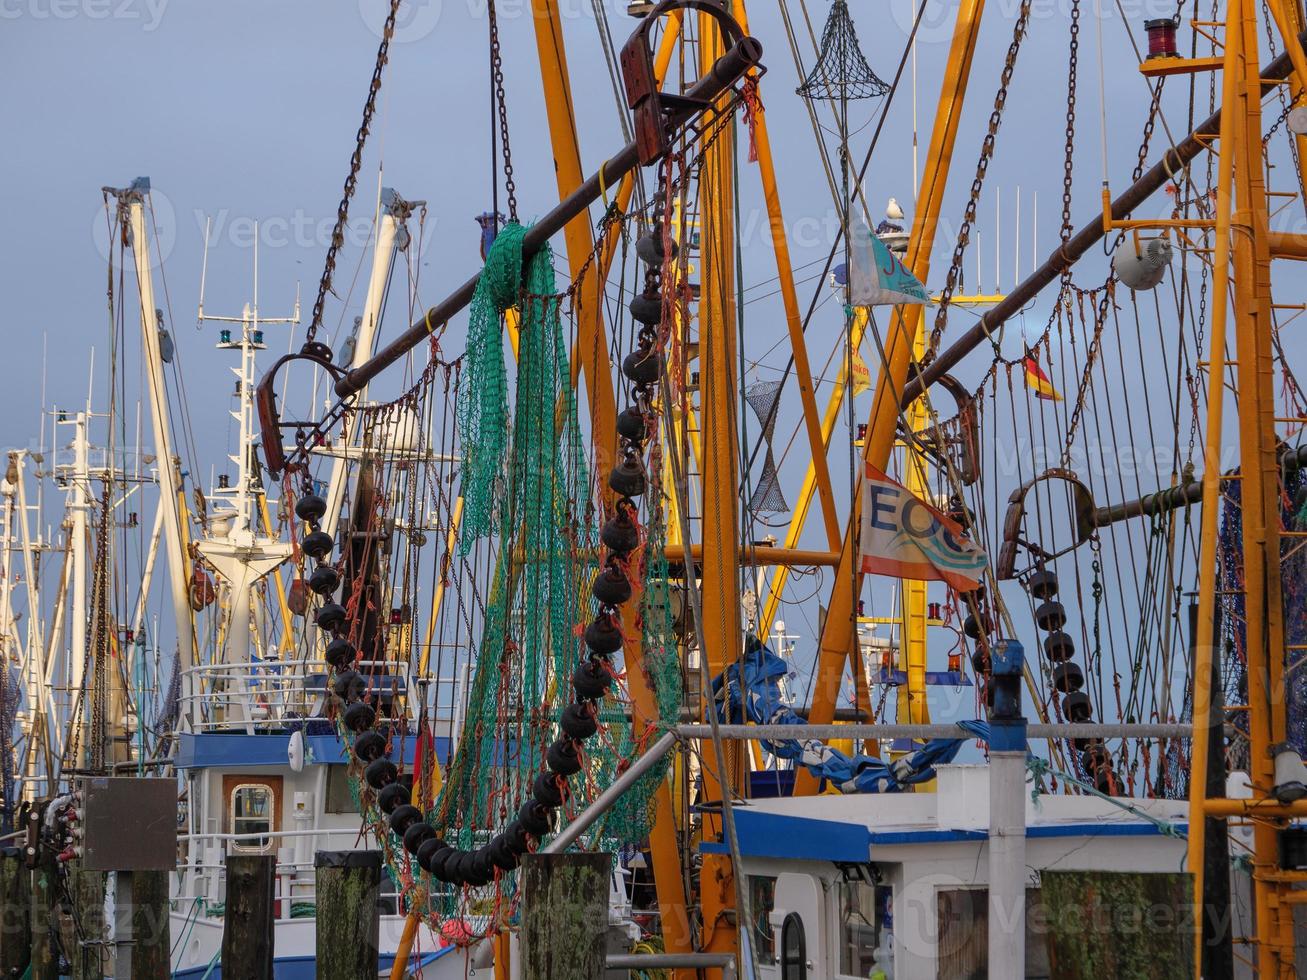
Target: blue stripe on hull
(300,967)
(238,749)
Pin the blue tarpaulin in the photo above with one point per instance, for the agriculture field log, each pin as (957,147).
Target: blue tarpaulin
(750,691)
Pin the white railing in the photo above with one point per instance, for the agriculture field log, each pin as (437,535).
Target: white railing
(253,694)
(257,695)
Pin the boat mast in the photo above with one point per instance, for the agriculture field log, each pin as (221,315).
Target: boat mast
(391,236)
(1243,235)
(721,628)
(171,506)
(238,553)
(75,675)
(838,636)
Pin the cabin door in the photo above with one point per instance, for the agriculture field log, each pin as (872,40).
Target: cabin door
(251,812)
(796,921)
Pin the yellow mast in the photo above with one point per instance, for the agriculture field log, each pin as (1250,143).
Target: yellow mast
(914,708)
(838,638)
(592,346)
(1242,236)
(719,398)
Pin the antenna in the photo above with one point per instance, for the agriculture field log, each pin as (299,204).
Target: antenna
(998,240)
(1034,232)
(1016,249)
(204,269)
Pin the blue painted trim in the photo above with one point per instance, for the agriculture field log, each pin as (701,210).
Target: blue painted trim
(305,967)
(934,678)
(197,751)
(1141,829)
(803,838)
(885,839)
(808,839)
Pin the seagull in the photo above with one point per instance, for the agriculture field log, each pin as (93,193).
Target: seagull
(893,211)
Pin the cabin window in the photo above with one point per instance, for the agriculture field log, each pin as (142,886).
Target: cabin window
(253,806)
(762,900)
(794,949)
(962,948)
(340,798)
(860,926)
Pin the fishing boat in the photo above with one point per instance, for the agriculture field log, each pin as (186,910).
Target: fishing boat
(567,601)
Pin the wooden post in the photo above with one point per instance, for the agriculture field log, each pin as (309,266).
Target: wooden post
(15,927)
(45,902)
(151,936)
(248,916)
(1118,924)
(564,915)
(1218,945)
(349,920)
(85,933)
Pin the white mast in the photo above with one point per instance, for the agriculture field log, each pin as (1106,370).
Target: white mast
(41,713)
(168,462)
(391,236)
(81,504)
(239,555)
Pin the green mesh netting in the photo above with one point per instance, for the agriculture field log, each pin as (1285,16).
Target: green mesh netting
(527,494)
(526,490)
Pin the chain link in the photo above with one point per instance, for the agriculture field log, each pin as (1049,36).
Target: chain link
(1288,108)
(1149,125)
(1068,160)
(497,71)
(986,154)
(355,162)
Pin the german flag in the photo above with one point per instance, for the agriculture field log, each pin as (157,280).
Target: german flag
(1038,381)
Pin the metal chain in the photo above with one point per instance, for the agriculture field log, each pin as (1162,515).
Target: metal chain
(1288,108)
(355,162)
(1149,125)
(1068,159)
(100,643)
(497,71)
(1105,294)
(986,154)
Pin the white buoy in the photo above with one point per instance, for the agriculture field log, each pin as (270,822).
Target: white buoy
(1142,264)
(398,433)
(1297,121)
(295,751)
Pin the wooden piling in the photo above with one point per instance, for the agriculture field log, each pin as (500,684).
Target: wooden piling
(1119,924)
(349,921)
(247,921)
(151,935)
(15,920)
(85,932)
(1217,921)
(564,915)
(44,915)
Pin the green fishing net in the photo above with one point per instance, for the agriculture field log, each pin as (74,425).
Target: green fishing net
(526,493)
